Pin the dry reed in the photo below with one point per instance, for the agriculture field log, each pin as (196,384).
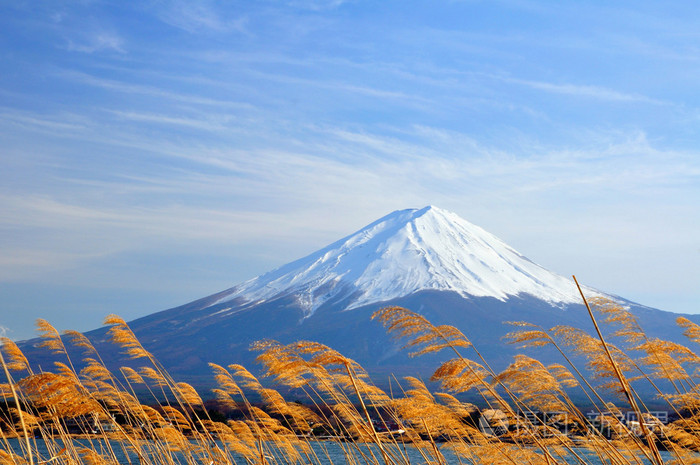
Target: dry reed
(527,414)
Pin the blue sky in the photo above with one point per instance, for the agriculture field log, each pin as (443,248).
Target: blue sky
(157,152)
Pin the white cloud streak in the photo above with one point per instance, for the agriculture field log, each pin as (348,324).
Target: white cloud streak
(151,91)
(198,16)
(97,42)
(585,91)
(316,5)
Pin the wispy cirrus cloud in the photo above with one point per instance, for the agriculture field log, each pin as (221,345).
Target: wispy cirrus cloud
(195,16)
(585,91)
(56,123)
(317,5)
(215,123)
(153,91)
(98,41)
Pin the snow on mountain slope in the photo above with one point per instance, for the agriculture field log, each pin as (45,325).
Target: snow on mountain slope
(405,252)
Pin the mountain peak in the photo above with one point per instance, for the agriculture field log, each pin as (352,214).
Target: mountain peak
(402,253)
(414,213)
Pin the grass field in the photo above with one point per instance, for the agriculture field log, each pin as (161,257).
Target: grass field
(525,415)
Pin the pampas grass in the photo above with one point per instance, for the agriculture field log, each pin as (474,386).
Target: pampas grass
(527,415)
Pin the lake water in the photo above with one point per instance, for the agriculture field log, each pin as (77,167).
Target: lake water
(328,452)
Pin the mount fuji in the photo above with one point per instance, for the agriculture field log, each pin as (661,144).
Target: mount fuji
(428,260)
(403,253)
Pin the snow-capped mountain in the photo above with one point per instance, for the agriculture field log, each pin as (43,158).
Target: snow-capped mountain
(405,252)
(428,260)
